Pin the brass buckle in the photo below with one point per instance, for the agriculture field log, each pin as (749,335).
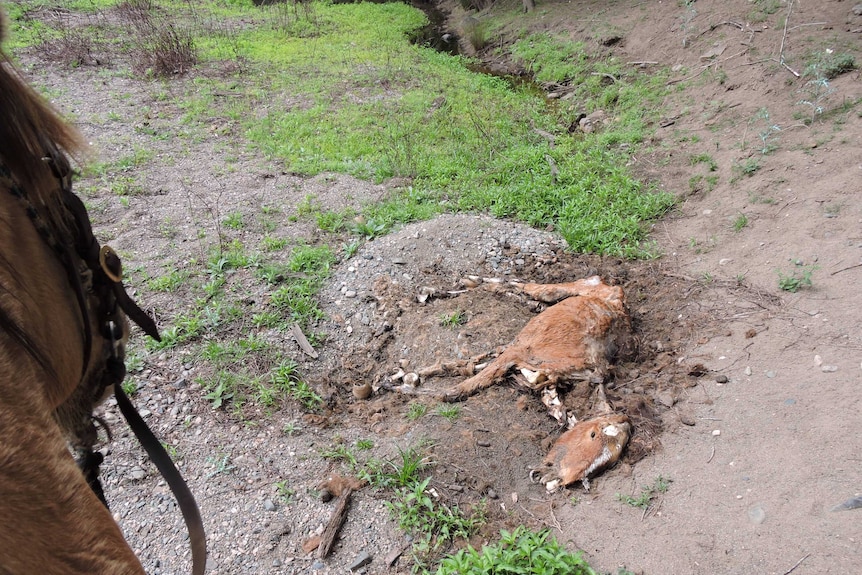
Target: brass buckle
(111,264)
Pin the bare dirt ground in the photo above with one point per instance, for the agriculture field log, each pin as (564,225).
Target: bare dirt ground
(745,396)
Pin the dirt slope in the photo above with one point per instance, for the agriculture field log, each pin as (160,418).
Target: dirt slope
(755,498)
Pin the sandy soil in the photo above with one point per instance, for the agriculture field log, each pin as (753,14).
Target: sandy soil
(745,396)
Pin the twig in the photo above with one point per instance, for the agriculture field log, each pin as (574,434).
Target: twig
(554,517)
(606,75)
(845,269)
(642,63)
(797,564)
(783,38)
(711,455)
(806,24)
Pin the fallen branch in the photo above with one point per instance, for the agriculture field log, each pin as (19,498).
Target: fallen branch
(327,538)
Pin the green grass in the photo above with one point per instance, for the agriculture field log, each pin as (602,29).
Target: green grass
(359,99)
(518,551)
(647,494)
(453,319)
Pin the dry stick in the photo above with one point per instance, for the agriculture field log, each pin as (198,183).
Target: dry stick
(798,563)
(783,38)
(845,269)
(327,538)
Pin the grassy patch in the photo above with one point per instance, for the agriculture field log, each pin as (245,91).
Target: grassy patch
(518,551)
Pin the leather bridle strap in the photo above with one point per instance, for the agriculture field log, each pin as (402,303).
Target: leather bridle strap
(162,461)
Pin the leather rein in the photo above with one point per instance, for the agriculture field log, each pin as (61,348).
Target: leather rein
(104,267)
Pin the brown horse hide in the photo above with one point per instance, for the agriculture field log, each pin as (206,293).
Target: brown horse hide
(51,522)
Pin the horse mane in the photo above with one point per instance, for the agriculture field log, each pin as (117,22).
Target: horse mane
(29,126)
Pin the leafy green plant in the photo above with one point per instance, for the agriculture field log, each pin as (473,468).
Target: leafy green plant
(518,551)
(364,444)
(740,222)
(284,491)
(434,523)
(383,474)
(220,464)
(340,453)
(747,168)
(234,221)
(796,280)
(829,64)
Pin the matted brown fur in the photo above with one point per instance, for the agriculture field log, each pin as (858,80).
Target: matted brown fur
(573,340)
(51,523)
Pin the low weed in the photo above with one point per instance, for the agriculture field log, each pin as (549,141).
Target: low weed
(647,494)
(711,164)
(284,378)
(747,169)
(449,411)
(453,319)
(416,411)
(518,551)
(799,278)
(740,222)
(169,282)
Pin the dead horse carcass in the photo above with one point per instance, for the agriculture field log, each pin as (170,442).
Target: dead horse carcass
(575,339)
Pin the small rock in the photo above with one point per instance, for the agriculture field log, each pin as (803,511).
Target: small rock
(665,398)
(716,432)
(326,495)
(770,374)
(828,368)
(757,514)
(747,370)
(818,361)
(180,383)
(211,563)
(686,418)
(857,9)
(350,293)
(491,493)
(269,505)
(317,565)
(276,562)
(361,561)
(483,443)
(789,402)
(137,473)
(720,379)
